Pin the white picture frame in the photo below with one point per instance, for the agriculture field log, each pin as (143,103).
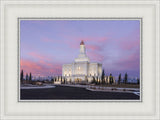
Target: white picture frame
(11,108)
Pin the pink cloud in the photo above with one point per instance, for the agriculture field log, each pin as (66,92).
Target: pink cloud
(74,42)
(129,45)
(39,56)
(129,62)
(103,39)
(29,64)
(131,41)
(41,68)
(41,65)
(94,47)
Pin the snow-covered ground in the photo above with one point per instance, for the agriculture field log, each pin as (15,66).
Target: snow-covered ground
(37,87)
(137,93)
(107,89)
(88,87)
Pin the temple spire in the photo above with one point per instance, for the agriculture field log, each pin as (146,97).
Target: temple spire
(82,43)
(82,55)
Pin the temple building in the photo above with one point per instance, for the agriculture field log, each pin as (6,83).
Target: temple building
(81,70)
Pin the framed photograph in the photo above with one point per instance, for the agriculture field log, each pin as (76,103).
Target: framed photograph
(107,67)
(101,57)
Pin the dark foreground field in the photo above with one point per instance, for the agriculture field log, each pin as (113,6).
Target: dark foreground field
(73,93)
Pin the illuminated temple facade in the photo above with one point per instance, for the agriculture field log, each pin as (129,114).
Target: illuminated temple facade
(81,70)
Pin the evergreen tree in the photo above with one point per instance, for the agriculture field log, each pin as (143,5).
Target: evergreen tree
(87,79)
(125,78)
(52,80)
(102,77)
(137,80)
(21,76)
(64,80)
(30,78)
(61,79)
(97,80)
(93,80)
(110,79)
(119,79)
(27,78)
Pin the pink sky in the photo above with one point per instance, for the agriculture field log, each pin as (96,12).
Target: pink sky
(48,44)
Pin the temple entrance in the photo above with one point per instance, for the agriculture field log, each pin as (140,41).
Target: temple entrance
(78,80)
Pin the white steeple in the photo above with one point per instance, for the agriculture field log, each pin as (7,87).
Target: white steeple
(82,57)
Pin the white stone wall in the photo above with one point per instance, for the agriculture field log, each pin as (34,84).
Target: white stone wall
(67,70)
(92,69)
(80,70)
(99,69)
(95,69)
